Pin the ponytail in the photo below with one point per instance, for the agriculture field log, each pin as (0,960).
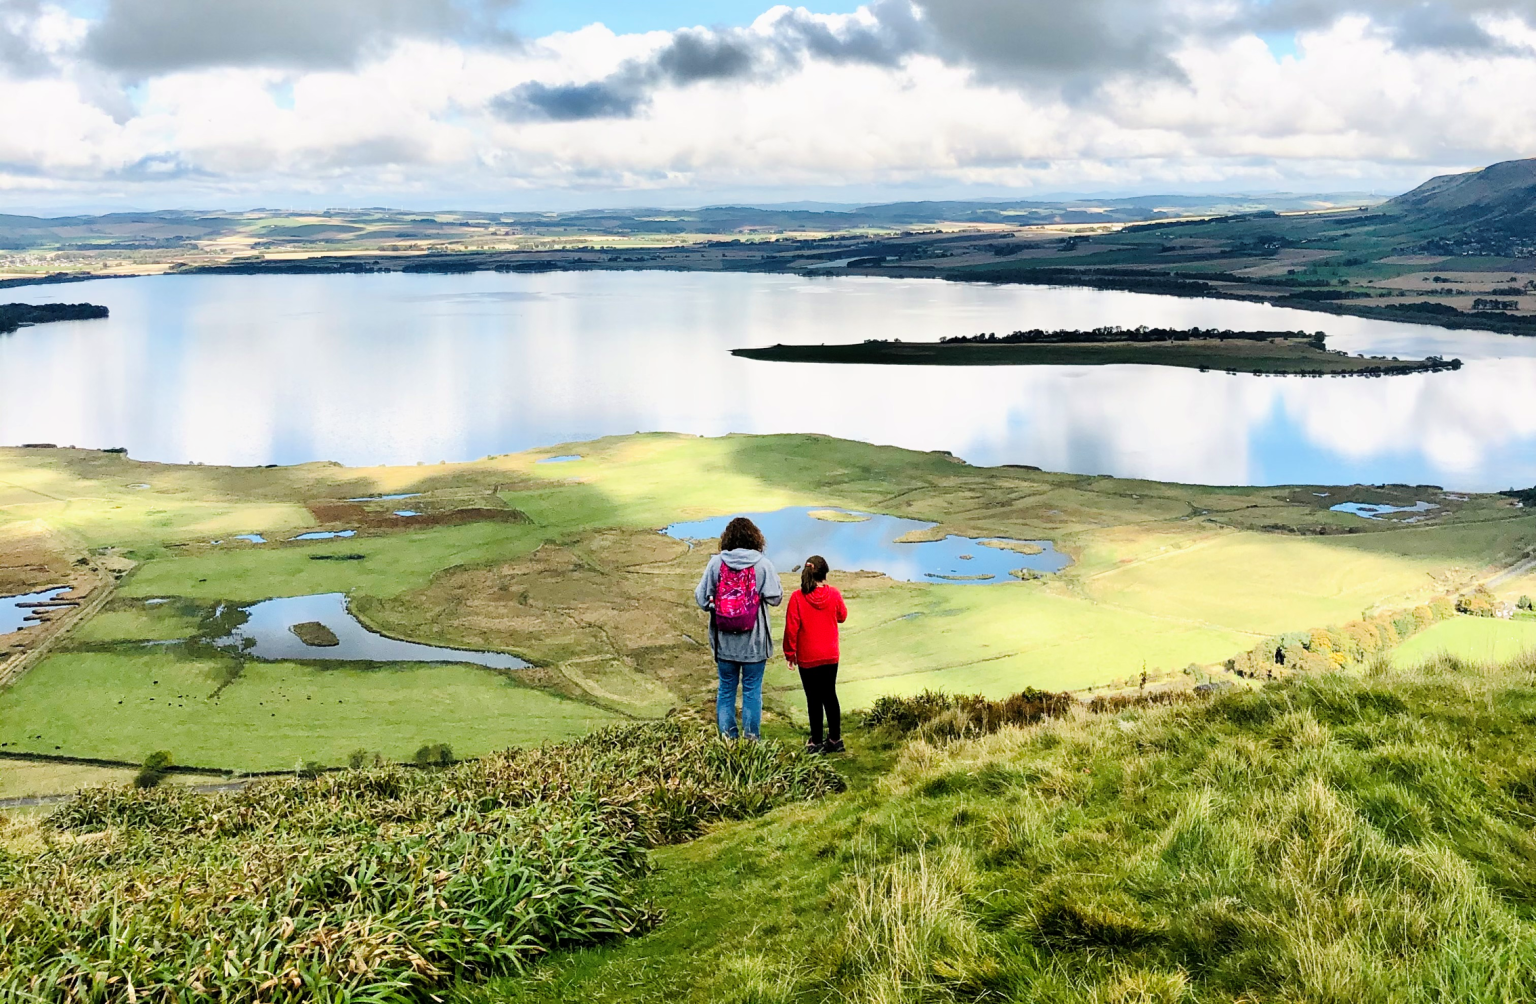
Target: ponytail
(813,573)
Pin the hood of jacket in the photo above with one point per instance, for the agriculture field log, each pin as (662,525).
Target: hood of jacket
(821,597)
(740,558)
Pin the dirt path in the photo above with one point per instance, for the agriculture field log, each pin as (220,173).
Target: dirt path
(1512,572)
(31,801)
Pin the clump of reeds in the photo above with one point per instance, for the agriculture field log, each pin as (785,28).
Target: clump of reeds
(937,716)
(366,885)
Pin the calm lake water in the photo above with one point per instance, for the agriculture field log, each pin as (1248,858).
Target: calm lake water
(400,368)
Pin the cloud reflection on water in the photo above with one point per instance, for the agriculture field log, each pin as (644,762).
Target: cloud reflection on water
(405,368)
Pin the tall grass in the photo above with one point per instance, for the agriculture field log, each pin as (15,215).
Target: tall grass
(372,885)
(1361,839)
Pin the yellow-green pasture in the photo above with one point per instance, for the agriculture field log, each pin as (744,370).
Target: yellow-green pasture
(1473,640)
(26,778)
(123,706)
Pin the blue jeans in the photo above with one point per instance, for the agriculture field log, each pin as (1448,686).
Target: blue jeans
(750,677)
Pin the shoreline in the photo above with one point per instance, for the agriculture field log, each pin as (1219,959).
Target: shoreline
(1149,282)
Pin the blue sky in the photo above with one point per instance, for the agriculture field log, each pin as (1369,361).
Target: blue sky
(541,17)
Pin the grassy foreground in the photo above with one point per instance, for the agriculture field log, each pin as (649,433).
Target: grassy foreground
(368,885)
(1354,839)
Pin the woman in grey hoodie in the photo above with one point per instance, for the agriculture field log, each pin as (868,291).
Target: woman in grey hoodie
(739,637)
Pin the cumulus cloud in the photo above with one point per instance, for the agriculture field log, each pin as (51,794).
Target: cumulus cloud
(396,100)
(147,37)
(1074,45)
(1464,25)
(779,43)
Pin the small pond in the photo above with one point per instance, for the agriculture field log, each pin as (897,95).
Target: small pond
(568,458)
(16,612)
(387,498)
(267,634)
(869,542)
(1367,510)
(324,534)
(254,538)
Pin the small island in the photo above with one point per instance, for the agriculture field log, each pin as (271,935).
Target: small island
(18,315)
(1289,353)
(315,635)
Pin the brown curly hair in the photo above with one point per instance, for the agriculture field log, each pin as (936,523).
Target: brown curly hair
(742,533)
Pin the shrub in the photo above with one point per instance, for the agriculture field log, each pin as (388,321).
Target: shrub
(375,885)
(434,755)
(154,769)
(1525,603)
(1478,603)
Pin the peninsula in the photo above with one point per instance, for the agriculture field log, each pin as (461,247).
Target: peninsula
(1283,353)
(17,315)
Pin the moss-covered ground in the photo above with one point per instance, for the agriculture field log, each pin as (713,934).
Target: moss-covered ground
(561,564)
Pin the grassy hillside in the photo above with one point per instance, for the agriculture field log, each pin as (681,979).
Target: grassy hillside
(1359,838)
(1331,839)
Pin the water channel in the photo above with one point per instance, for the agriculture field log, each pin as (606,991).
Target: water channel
(395,368)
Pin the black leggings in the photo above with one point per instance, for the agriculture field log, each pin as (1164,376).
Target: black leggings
(820,683)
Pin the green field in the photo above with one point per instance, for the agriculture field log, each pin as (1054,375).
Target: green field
(1470,639)
(123,707)
(572,576)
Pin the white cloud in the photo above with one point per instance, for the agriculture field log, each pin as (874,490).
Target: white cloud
(873,109)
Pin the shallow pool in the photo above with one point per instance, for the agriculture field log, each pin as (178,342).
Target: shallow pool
(871,545)
(324,535)
(14,616)
(267,634)
(1366,510)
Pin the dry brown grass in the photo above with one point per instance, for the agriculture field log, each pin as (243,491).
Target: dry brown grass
(611,615)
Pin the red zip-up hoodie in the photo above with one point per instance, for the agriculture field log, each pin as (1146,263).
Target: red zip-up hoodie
(810,626)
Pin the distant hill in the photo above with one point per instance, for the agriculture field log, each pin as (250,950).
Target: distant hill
(175,230)
(1498,200)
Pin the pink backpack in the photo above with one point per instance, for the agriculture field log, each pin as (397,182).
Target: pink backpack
(736,599)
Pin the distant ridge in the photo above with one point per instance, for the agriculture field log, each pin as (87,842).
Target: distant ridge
(1500,198)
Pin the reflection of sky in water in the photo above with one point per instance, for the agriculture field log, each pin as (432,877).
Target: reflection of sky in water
(324,534)
(870,546)
(13,616)
(1367,510)
(269,622)
(405,368)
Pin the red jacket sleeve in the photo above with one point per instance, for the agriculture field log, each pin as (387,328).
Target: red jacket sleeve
(792,626)
(842,609)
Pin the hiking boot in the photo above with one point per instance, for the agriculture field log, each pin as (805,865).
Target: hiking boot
(812,748)
(833,746)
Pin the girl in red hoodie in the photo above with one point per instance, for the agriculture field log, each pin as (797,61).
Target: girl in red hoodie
(810,641)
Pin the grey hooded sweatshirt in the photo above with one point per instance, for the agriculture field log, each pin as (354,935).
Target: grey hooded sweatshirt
(751,646)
